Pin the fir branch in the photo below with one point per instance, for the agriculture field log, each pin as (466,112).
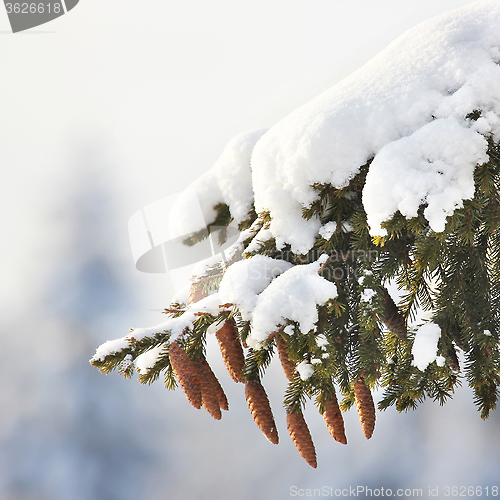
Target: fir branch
(221,221)
(257,360)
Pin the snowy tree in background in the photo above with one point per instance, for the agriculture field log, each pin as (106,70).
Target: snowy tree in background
(369,252)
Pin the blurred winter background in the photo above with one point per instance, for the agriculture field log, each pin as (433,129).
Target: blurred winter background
(108,109)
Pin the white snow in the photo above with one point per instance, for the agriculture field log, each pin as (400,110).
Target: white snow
(246,279)
(406,109)
(327,230)
(262,236)
(126,362)
(435,164)
(147,360)
(109,347)
(215,327)
(346,226)
(294,295)
(176,326)
(367,295)
(304,369)
(228,181)
(321,341)
(425,346)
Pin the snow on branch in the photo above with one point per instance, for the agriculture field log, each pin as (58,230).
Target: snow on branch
(415,97)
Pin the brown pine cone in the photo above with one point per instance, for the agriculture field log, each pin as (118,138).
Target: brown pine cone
(365,407)
(221,396)
(393,319)
(232,352)
(334,421)
(301,437)
(186,373)
(261,410)
(209,397)
(219,391)
(287,365)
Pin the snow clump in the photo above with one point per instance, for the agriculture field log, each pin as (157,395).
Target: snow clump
(292,296)
(408,110)
(425,346)
(304,369)
(246,279)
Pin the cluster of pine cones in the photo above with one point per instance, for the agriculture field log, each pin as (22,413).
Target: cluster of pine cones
(202,388)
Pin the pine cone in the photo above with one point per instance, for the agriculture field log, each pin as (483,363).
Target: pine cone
(186,373)
(393,319)
(232,352)
(261,410)
(287,365)
(301,437)
(334,421)
(365,407)
(209,397)
(219,391)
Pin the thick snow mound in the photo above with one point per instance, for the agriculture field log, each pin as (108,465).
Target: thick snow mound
(435,164)
(246,279)
(229,181)
(293,295)
(440,71)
